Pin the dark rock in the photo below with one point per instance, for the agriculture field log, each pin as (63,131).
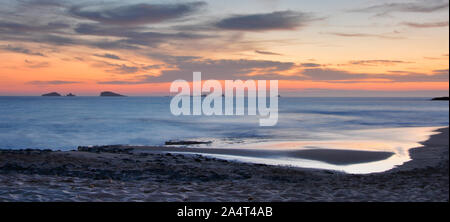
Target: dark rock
(440,99)
(52,94)
(110,94)
(186,142)
(106,149)
(70,95)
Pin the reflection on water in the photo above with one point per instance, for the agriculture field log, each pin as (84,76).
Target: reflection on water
(395,140)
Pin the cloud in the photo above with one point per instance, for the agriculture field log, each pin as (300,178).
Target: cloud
(280,20)
(333,75)
(133,35)
(182,67)
(266,52)
(417,7)
(310,65)
(131,82)
(138,80)
(329,75)
(32,64)
(321,92)
(225,69)
(127,69)
(216,69)
(441,71)
(432,58)
(11,27)
(108,56)
(137,14)
(53,82)
(426,25)
(43,3)
(363,35)
(19,49)
(121,68)
(242,68)
(377,62)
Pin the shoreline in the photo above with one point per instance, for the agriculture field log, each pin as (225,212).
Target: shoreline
(124,174)
(435,152)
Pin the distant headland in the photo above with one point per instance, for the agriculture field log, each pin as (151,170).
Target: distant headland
(440,98)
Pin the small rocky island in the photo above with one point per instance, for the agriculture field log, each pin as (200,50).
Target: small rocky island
(51,94)
(107,93)
(440,99)
(70,95)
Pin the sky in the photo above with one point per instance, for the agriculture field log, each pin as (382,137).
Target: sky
(314,48)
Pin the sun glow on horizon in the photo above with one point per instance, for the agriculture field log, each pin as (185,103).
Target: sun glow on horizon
(344,47)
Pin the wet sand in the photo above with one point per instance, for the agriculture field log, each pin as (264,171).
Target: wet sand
(119,173)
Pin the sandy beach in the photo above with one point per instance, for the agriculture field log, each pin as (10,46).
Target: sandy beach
(121,173)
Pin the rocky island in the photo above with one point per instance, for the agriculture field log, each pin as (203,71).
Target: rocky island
(107,93)
(51,94)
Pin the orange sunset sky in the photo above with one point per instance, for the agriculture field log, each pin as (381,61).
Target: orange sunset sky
(314,48)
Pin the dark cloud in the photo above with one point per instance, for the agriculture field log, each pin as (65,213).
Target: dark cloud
(56,40)
(65,40)
(173,60)
(441,71)
(127,69)
(51,33)
(133,35)
(28,26)
(43,3)
(137,14)
(53,82)
(281,20)
(14,27)
(426,25)
(396,76)
(225,69)
(267,52)
(123,69)
(310,65)
(19,49)
(182,67)
(418,7)
(112,44)
(216,69)
(108,56)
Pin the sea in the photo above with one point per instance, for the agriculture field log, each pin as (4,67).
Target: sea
(368,124)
